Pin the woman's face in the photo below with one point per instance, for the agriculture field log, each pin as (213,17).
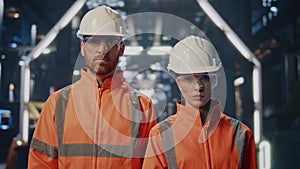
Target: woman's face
(196,89)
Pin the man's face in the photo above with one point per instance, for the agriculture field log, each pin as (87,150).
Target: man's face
(196,88)
(101,53)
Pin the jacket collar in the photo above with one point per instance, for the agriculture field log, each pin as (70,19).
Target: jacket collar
(190,113)
(109,83)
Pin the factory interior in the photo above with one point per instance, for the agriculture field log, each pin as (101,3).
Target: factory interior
(40,54)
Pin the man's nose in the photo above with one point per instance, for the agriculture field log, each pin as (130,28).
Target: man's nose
(102,48)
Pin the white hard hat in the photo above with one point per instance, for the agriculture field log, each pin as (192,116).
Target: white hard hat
(194,55)
(102,20)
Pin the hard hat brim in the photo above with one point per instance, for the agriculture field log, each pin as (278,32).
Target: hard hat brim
(81,34)
(193,70)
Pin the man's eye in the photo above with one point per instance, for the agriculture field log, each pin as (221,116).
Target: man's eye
(93,41)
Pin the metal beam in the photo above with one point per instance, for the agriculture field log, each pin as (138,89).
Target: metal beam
(247,54)
(1,17)
(34,54)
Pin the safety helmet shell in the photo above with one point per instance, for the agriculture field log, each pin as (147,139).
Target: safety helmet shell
(194,54)
(104,21)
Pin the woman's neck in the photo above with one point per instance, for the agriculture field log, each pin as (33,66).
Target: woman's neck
(204,111)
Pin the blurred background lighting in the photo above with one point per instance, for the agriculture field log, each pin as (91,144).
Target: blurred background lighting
(238,81)
(264,155)
(159,50)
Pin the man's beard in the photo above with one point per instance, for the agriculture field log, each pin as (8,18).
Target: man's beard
(102,68)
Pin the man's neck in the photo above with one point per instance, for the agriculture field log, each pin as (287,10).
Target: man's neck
(101,77)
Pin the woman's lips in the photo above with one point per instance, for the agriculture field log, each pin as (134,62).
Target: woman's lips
(198,97)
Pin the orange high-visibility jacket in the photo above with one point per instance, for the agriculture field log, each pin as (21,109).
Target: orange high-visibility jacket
(83,126)
(182,141)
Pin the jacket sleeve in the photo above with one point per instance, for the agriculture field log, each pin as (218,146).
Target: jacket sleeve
(249,158)
(43,147)
(154,157)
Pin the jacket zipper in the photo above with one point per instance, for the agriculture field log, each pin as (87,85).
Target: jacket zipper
(97,125)
(207,151)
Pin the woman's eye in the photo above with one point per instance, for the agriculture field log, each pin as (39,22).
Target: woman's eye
(189,79)
(205,77)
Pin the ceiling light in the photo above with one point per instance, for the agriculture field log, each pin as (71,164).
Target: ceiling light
(112,3)
(133,50)
(159,50)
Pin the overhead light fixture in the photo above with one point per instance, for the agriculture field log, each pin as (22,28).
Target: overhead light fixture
(156,66)
(112,3)
(159,50)
(133,50)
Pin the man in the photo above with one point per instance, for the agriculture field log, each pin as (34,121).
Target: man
(198,135)
(99,121)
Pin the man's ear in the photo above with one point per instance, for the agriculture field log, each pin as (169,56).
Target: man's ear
(122,49)
(82,48)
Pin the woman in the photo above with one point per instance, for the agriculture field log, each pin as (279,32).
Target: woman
(199,135)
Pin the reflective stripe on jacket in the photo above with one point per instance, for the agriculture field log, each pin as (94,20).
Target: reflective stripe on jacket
(181,141)
(82,126)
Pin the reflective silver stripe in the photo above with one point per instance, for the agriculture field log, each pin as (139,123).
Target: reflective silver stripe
(93,149)
(60,110)
(239,139)
(135,117)
(43,148)
(135,113)
(168,143)
(80,150)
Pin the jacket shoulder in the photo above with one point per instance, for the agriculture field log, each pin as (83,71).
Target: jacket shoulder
(162,126)
(53,97)
(238,124)
(64,92)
